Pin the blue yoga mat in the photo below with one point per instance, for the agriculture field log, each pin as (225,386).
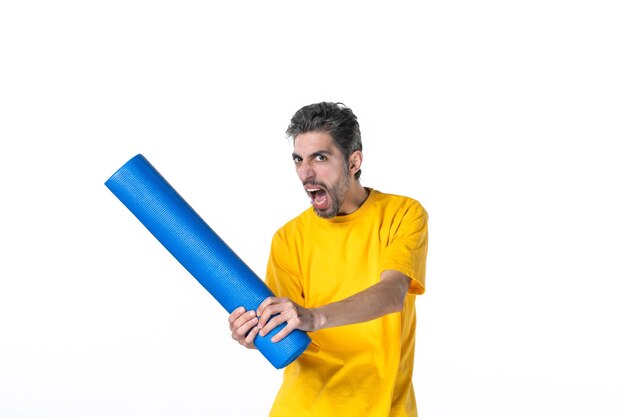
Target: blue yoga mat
(200,250)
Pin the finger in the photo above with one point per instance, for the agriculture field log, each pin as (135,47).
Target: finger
(264,304)
(274,322)
(282,334)
(241,329)
(244,318)
(235,315)
(240,333)
(269,312)
(249,340)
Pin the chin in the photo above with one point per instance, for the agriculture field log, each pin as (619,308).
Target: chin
(327,214)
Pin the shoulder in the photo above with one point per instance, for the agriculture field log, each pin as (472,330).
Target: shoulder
(294,226)
(398,204)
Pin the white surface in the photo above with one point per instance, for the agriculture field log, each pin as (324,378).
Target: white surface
(504,119)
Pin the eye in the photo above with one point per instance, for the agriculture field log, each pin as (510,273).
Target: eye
(297,159)
(320,157)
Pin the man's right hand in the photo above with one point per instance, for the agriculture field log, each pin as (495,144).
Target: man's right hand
(243,325)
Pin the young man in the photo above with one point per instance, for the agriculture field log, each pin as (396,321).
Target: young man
(347,270)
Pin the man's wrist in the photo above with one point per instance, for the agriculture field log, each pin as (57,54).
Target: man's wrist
(319,318)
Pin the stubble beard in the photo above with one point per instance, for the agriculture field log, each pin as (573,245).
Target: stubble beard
(337,194)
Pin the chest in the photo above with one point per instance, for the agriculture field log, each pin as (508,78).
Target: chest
(337,263)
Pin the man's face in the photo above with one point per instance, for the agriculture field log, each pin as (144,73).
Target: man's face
(323,171)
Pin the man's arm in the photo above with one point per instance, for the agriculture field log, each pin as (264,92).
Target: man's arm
(385,297)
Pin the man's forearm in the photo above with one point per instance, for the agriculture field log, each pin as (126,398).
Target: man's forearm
(385,297)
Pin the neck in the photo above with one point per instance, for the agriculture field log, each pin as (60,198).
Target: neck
(354,198)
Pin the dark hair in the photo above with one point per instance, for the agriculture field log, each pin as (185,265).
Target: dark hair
(333,118)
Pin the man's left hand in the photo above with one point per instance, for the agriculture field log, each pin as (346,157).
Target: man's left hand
(274,311)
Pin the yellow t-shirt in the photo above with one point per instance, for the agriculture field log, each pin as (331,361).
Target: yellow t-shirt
(362,369)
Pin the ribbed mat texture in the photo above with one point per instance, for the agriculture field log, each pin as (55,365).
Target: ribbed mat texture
(199,249)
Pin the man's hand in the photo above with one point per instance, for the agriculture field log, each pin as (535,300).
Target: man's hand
(274,311)
(243,325)
(385,297)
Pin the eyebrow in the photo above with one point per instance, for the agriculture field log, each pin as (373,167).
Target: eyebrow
(313,155)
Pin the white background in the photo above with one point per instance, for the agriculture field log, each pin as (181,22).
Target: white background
(505,119)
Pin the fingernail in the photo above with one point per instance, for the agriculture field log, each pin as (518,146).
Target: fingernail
(251,314)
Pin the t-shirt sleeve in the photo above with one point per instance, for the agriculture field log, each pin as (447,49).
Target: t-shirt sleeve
(282,275)
(408,247)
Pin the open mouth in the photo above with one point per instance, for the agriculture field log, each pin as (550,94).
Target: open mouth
(319,197)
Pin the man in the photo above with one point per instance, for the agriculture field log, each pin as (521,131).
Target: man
(346,270)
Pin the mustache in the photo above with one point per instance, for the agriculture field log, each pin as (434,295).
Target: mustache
(315,183)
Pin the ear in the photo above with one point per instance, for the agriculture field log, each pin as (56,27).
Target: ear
(354,162)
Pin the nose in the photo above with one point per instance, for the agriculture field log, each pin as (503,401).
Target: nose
(305,172)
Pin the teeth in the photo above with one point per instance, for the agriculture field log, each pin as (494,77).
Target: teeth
(313,189)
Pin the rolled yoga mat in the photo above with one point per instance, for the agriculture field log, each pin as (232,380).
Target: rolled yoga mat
(200,250)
